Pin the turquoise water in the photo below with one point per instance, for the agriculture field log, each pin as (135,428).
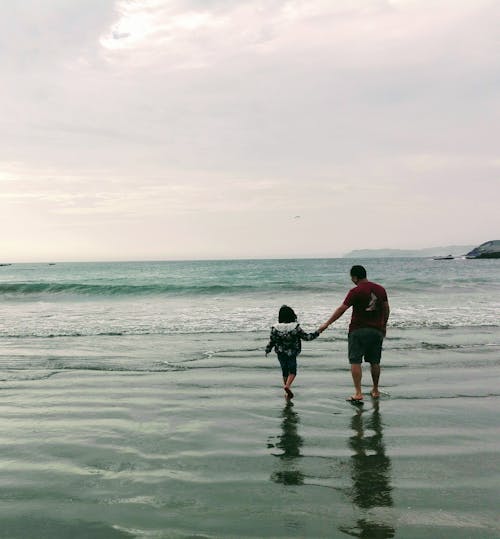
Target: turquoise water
(137,402)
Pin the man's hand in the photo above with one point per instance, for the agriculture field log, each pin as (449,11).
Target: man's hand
(322,327)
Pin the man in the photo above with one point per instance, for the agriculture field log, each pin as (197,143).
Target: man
(370,312)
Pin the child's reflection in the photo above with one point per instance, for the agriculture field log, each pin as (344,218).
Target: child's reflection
(370,472)
(290,443)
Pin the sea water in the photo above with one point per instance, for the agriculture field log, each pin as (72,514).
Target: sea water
(136,401)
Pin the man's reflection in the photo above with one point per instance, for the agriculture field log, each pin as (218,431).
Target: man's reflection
(290,443)
(370,472)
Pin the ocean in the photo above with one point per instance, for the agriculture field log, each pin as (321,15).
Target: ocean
(136,402)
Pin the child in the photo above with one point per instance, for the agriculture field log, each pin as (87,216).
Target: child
(286,338)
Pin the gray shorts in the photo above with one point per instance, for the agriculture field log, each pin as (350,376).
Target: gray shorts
(365,343)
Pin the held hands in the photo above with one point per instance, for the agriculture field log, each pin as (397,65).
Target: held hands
(322,327)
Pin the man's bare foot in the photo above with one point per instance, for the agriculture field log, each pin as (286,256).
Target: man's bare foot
(375,393)
(288,392)
(355,399)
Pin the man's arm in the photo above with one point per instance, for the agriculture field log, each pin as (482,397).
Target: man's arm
(386,310)
(339,311)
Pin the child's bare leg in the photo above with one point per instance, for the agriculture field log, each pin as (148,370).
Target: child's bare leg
(288,383)
(285,378)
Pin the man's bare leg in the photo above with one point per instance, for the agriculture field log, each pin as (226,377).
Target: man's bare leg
(356,373)
(375,370)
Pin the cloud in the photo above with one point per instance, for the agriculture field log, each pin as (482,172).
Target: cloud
(215,115)
(120,35)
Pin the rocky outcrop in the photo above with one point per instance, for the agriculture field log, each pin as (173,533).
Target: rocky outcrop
(489,249)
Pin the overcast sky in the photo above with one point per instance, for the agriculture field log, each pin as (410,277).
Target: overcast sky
(161,129)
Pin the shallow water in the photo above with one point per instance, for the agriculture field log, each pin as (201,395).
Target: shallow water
(181,433)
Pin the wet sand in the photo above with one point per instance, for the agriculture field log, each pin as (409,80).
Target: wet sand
(212,449)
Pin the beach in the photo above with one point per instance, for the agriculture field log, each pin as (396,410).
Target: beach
(136,401)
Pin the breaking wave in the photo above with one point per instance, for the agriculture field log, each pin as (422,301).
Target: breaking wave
(13,290)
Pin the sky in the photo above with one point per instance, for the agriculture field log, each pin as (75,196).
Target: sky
(185,129)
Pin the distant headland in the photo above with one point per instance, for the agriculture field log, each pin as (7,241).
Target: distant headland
(455,250)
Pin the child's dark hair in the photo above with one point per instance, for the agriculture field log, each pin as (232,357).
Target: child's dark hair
(287,314)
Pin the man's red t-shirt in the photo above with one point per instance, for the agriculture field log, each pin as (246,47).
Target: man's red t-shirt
(366,300)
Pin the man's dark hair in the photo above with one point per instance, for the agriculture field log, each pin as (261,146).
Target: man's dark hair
(359,272)
(287,314)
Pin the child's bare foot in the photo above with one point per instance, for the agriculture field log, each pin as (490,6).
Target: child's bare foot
(288,392)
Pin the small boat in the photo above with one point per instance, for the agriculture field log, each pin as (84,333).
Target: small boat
(447,257)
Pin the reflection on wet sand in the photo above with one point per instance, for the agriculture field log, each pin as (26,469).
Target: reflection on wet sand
(371,474)
(290,442)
